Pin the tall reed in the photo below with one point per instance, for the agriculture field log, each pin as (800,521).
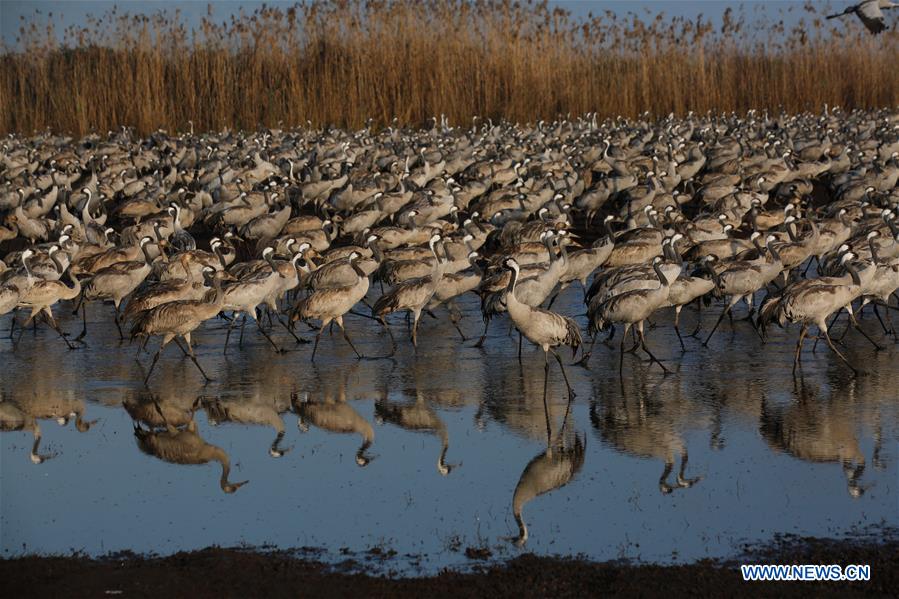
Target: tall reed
(347,61)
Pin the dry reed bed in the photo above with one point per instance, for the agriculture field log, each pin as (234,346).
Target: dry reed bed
(342,63)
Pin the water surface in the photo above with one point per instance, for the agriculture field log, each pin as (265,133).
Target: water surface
(759,451)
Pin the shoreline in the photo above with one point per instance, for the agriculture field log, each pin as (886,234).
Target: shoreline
(252,572)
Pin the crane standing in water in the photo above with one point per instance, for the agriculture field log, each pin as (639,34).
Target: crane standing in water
(541,327)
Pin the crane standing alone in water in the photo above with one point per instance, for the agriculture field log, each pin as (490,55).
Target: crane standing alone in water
(541,327)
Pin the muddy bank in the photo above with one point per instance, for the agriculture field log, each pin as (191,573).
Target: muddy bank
(217,572)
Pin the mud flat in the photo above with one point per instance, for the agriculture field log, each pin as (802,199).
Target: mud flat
(216,572)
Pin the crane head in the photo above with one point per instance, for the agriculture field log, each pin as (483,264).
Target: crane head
(511,264)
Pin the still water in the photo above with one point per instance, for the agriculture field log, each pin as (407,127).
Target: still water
(435,451)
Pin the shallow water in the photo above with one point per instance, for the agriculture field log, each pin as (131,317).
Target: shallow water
(768,453)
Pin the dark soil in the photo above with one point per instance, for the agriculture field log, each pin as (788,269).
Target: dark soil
(241,573)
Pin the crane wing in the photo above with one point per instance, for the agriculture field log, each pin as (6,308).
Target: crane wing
(871,15)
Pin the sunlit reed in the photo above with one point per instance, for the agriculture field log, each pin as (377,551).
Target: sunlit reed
(344,62)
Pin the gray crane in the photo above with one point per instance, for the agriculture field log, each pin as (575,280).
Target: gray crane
(631,308)
(330,304)
(541,327)
(412,295)
(870,13)
(180,319)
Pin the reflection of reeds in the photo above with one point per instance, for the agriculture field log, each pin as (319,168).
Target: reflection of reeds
(342,62)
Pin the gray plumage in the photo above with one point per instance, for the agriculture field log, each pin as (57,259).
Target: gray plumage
(870,13)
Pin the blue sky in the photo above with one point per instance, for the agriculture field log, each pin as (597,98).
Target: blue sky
(71,12)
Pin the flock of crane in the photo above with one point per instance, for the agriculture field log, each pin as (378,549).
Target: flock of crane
(794,213)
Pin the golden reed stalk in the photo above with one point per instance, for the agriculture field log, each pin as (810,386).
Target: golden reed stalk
(344,62)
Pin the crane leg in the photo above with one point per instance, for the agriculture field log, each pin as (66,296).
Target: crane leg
(118,325)
(830,326)
(890,322)
(646,349)
(78,305)
(181,347)
(190,354)
(156,358)
(152,366)
(289,330)
(845,332)
(354,313)
(886,331)
(627,327)
(854,322)
(141,346)
(83,322)
(480,342)
(25,326)
(808,264)
(390,333)
(317,337)
(839,355)
(228,334)
(461,334)
(52,323)
(417,315)
(564,374)
(553,299)
(266,335)
(698,318)
(717,323)
(858,327)
(797,357)
(347,337)
(677,328)
(519,347)
(636,344)
(751,303)
(243,322)
(549,432)
(610,336)
(586,356)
